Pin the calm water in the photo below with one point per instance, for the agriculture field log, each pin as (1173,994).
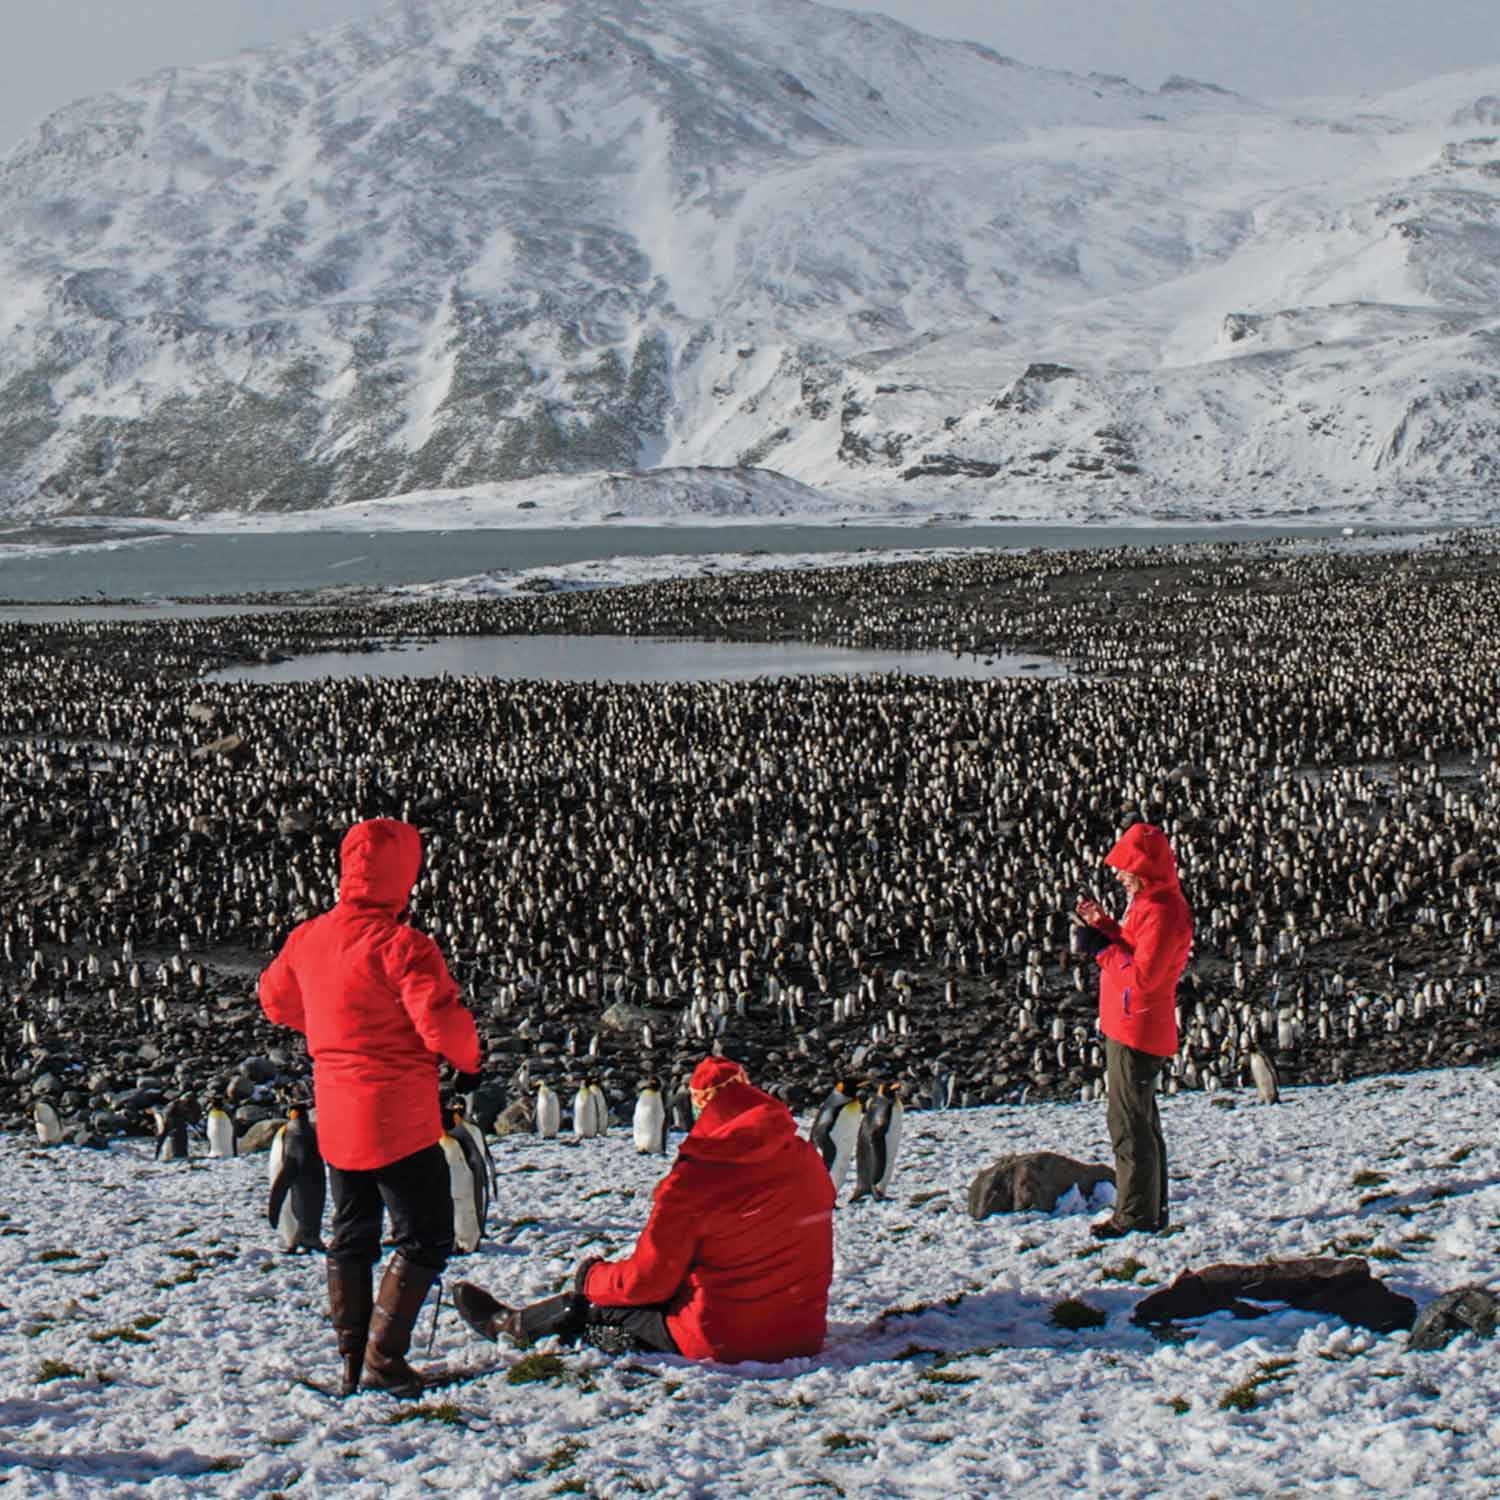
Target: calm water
(219,565)
(573,658)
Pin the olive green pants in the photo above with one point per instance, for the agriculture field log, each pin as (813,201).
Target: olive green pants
(1135,1133)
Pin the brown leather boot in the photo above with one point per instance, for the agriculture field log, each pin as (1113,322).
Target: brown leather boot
(349,1307)
(562,1315)
(403,1290)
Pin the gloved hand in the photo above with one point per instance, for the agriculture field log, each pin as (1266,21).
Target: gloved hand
(466,1083)
(581,1275)
(1092,941)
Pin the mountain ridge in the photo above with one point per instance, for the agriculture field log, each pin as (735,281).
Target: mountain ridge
(474,241)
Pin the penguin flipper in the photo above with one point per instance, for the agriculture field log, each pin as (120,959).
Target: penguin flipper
(477,1177)
(279,1189)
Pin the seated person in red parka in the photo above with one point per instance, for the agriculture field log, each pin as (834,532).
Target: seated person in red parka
(735,1261)
(379,1008)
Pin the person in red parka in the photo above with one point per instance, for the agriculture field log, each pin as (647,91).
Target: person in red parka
(379,1008)
(1140,962)
(735,1261)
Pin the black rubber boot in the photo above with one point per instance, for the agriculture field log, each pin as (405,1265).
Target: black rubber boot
(403,1290)
(350,1303)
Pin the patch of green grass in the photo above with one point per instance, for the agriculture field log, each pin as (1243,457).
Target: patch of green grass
(948,1377)
(532,1368)
(56,1369)
(447,1413)
(839,1442)
(1125,1270)
(1073,1314)
(562,1456)
(51,1257)
(1243,1397)
(1367,1178)
(1383,1252)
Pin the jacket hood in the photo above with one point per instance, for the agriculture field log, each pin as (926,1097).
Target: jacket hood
(1144,851)
(378,863)
(740,1126)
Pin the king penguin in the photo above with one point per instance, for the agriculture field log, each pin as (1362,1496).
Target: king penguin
(171,1133)
(49,1129)
(548,1111)
(220,1128)
(470,1129)
(835,1129)
(879,1141)
(298,1184)
(468,1184)
(650,1123)
(1264,1074)
(601,1107)
(583,1112)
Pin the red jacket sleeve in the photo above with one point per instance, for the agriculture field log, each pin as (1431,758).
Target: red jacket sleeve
(662,1256)
(430,998)
(280,994)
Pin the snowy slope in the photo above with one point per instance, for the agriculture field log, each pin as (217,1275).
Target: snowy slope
(471,241)
(158,1283)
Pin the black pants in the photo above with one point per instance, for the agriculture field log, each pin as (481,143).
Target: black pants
(616,1330)
(417,1194)
(1135,1133)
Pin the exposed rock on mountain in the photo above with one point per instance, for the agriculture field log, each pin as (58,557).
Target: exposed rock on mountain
(470,241)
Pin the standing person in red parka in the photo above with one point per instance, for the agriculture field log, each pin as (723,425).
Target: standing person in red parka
(735,1261)
(379,1008)
(1140,961)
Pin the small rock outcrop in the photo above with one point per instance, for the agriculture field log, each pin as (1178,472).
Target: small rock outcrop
(1340,1285)
(1467,1309)
(1031,1180)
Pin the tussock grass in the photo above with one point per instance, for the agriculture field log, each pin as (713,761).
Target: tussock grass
(532,1368)
(1074,1315)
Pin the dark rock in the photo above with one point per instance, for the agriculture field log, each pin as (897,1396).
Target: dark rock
(1031,1180)
(485,1104)
(516,1118)
(1342,1286)
(259,1136)
(1468,1309)
(259,1069)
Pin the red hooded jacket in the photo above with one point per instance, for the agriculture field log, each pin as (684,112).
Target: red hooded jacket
(739,1245)
(377,1005)
(1149,950)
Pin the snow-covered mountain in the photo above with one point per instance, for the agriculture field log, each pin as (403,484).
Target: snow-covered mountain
(471,241)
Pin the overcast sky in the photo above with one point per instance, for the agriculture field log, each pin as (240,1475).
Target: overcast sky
(58,50)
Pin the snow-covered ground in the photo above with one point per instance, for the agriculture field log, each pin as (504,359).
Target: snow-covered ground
(161,1286)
